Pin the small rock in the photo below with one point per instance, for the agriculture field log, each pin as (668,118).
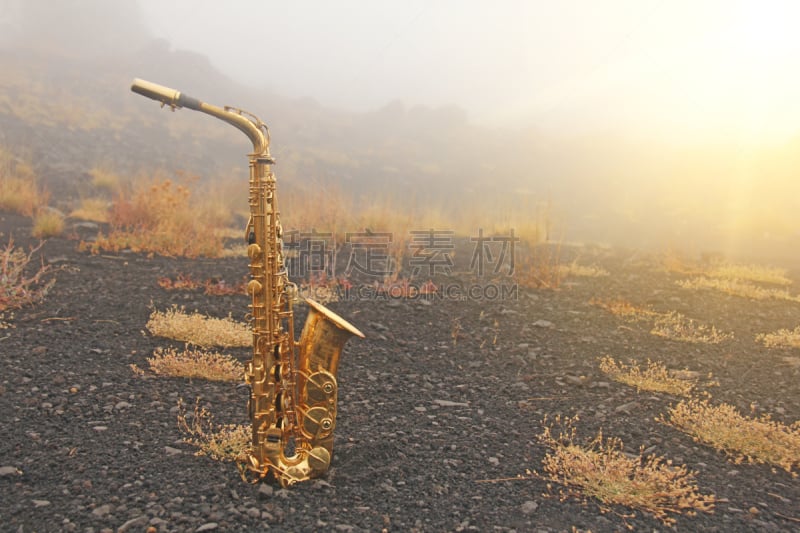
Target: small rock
(208,526)
(448,403)
(122,405)
(626,408)
(102,510)
(41,503)
(9,471)
(494,461)
(320,484)
(172,451)
(576,380)
(684,374)
(100,428)
(529,507)
(135,523)
(265,490)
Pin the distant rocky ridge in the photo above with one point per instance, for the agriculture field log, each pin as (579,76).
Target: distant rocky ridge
(66,105)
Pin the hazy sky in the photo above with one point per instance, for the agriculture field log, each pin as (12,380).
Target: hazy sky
(678,69)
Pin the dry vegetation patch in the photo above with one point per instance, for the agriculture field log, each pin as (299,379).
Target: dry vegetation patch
(106,180)
(654,378)
(675,326)
(783,338)
(756,273)
(539,267)
(194,328)
(228,442)
(670,325)
(623,308)
(195,363)
(94,209)
(20,283)
(736,287)
(758,440)
(583,271)
(603,471)
(47,223)
(213,287)
(161,217)
(18,190)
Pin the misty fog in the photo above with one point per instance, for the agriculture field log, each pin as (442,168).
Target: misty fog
(642,124)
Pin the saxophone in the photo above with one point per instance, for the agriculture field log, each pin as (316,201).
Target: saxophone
(293,387)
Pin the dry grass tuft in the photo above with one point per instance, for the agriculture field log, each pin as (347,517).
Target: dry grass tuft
(19,195)
(182,282)
(675,326)
(213,287)
(94,209)
(671,325)
(106,180)
(539,268)
(760,440)
(229,442)
(757,273)
(19,284)
(47,223)
(624,309)
(654,378)
(175,323)
(194,363)
(18,191)
(675,262)
(737,287)
(603,471)
(581,271)
(783,338)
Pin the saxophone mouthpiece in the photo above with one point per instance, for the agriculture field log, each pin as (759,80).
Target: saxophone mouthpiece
(165,95)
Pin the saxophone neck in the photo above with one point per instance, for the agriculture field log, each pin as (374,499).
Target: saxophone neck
(250,125)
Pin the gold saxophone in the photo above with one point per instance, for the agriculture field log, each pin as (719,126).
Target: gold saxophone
(293,388)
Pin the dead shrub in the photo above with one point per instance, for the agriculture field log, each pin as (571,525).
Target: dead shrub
(175,323)
(783,338)
(20,283)
(755,440)
(655,377)
(160,217)
(601,470)
(228,442)
(675,326)
(195,363)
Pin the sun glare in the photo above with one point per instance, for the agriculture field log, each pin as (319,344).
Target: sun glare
(764,46)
